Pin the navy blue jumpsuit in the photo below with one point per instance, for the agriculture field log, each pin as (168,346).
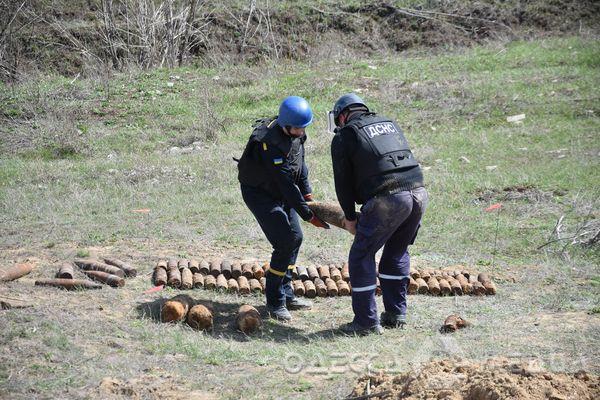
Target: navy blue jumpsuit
(274,179)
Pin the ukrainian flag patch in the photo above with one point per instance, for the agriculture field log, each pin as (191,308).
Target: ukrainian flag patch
(278,161)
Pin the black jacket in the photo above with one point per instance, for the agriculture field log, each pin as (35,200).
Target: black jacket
(274,162)
(349,154)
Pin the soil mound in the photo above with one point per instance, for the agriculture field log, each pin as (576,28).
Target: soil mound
(494,380)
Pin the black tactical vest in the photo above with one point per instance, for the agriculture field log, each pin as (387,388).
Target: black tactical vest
(381,148)
(250,169)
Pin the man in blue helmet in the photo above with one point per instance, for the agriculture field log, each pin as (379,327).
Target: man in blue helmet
(275,187)
(374,166)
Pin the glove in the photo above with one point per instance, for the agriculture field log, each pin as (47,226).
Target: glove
(318,222)
(308,197)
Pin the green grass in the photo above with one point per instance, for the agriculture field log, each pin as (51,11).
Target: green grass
(62,204)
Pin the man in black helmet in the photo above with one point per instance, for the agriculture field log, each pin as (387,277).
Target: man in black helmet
(274,182)
(374,166)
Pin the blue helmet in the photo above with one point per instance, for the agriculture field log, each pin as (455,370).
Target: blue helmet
(294,111)
(347,100)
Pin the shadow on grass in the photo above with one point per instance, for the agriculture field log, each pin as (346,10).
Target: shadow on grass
(224,323)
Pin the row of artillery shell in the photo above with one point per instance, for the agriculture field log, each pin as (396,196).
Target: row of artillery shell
(234,269)
(187,274)
(215,267)
(449,285)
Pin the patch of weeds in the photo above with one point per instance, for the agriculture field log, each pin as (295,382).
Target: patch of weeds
(83,253)
(53,152)
(50,245)
(595,310)
(302,386)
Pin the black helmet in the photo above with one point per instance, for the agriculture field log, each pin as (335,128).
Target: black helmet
(347,100)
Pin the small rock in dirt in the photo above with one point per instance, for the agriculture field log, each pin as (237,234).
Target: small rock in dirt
(491,167)
(174,151)
(465,159)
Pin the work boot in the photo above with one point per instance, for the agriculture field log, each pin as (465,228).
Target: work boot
(352,328)
(279,313)
(389,320)
(297,303)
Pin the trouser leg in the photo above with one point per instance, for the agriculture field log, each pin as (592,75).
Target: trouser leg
(394,266)
(282,229)
(379,219)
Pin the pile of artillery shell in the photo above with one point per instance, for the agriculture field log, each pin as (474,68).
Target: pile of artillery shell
(328,280)
(110,272)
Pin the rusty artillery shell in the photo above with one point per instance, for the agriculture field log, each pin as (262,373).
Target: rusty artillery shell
(478,289)
(483,277)
(232,286)
(335,273)
(160,276)
(171,263)
(452,323)
(258,271)
(468,289)
(243,285)
(176,308)
(174,277)
(302,272)
(162,264)
(226,269)
(204,267)
(425,274)
(198,280)
(329,212)
(215,267)
(95,265)
(490,288)
(412,286)
(343,288)
(187,278)
(313,272)
(465,273)
(294,272)
(248,319)
(414,274)
(422,287)
(247,270)
(445,288)
(332,289)
(105,277)
(472,278)
(455,286)
(263,283)
(299,289)
(200,318)
(126,267)
(66,271)
(346,272)
(462,281)
(194,266)
(221,282)
(433,285)
(210,282)
(183,263)
(255,286)
(236,270)
(321,287)
(309,289)
(324,272)
(68,284)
